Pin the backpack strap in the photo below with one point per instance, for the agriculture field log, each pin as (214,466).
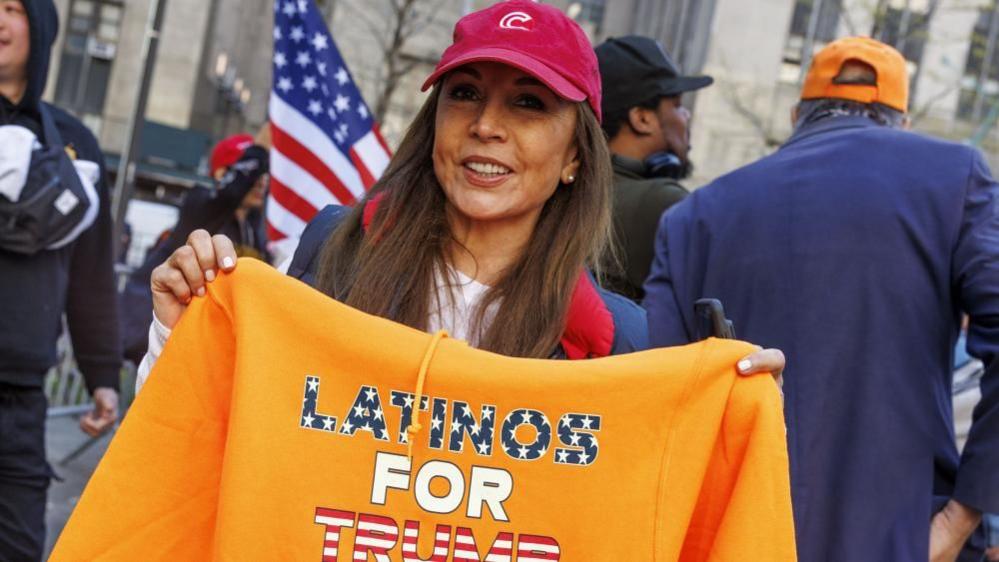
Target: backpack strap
(49,130)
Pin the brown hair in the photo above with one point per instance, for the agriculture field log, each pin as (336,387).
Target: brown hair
(389,269)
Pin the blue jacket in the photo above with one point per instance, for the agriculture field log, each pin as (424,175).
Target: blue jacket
(854,248)
(607,322)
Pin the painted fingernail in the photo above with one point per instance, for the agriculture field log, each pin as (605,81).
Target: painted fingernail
(228,263)
(744,365)
(210,275)
(201,291)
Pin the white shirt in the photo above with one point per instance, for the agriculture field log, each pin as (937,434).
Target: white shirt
(453,309)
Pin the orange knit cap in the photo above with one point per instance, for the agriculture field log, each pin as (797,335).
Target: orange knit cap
(891,89)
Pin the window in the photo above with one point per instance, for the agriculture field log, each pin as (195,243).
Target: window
(813,24)
(825,26)
(904,24)
(980,83)
(91,45)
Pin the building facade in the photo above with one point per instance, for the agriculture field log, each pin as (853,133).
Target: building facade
(212,75)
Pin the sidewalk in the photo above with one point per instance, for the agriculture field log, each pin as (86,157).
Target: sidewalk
(63,436)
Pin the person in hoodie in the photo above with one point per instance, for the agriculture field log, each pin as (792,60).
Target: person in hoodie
(37,289)
(232,207)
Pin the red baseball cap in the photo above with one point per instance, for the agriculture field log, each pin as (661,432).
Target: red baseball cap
(535,38)
(229,150)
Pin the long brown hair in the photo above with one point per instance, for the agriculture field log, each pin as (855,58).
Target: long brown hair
(389,269)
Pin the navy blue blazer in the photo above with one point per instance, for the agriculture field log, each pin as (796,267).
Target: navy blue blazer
(627,331)
(854,248)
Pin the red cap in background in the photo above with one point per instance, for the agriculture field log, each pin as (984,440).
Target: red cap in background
(229,150)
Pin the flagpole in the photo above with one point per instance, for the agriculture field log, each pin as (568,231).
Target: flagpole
(125,180)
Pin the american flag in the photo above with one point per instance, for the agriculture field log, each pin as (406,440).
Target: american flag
(326,148)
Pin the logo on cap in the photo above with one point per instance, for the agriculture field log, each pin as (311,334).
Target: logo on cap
(517,20)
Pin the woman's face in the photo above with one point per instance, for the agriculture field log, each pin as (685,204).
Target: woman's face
(503,141)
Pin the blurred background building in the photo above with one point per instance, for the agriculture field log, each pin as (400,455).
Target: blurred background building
(212,75)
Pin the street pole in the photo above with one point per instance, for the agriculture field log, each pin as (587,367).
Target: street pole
(125,181)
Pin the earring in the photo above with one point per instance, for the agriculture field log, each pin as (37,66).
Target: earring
(570,179)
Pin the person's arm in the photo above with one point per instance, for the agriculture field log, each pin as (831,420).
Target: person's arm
(975,274)
(158,336)
(662,303)
(204,207)
(92,314)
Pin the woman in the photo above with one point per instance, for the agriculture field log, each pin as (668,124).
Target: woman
(493,208)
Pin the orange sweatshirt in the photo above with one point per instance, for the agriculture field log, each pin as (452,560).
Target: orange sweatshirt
(277,425)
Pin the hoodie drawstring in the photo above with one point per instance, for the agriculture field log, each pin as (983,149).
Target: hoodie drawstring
(421,377)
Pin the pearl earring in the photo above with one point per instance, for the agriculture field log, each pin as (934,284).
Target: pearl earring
(571,179)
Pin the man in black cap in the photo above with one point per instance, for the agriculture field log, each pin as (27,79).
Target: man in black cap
(646,125)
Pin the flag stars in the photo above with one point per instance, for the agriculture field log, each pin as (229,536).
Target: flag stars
(280,60)
(309,83)
(289,9)
(313,385)
(342,103)
(307,420)
(297,34)
(320,42)
(326,90)
(358,410)
(483,448)
(331,114)
(284,84)
(278,34)
(563,456)
(321,66)
(436,422)
(347,428)
(341,76)
(328,424)
(303,6)
(362,110)
(303,59)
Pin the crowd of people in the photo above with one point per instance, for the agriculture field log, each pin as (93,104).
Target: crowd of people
(537,196)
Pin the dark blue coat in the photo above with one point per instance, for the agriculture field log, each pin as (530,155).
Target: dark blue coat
(626,332)
(854,248)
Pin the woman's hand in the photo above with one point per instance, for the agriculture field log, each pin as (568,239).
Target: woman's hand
(184,275)
(950,529)
(764,361)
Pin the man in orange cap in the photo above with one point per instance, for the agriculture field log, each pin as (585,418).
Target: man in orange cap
(854,249)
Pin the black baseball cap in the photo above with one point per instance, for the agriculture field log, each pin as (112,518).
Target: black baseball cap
(635,69)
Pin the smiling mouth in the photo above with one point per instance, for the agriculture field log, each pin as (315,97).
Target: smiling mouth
(488,170)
